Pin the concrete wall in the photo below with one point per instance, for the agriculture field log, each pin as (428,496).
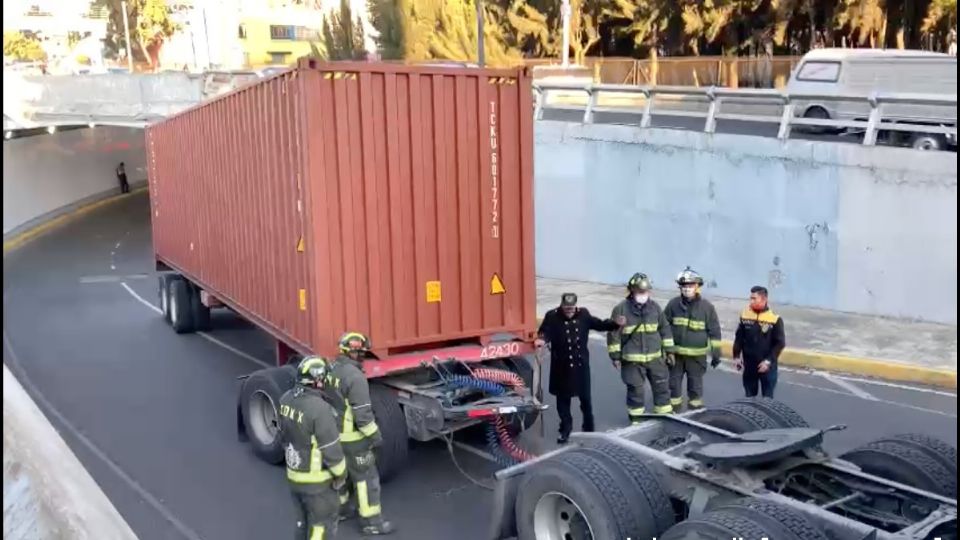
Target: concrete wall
(45,174)
(837,226)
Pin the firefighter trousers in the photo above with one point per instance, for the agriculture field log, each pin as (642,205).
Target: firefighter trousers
(634,374)
(694,367)
(316,513)
(363,489)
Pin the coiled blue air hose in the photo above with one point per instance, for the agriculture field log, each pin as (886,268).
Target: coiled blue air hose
(493,446)
(462,381)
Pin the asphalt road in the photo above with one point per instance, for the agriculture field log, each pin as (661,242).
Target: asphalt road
(151,413)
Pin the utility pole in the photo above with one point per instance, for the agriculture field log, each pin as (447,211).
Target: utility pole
(481,55)
(565,12)
(126,33)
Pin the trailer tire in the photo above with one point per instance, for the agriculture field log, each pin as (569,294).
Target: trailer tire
(942,452)
(163,291)
(902,462)
(747,520)
(578,484)
(181,311)
(392,456)
(738,418)
(200,312)
(259,400)
(649,487)
(780,412)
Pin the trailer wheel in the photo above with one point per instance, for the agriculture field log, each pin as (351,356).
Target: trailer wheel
(649,488)
(259,402)
(393,454)
(902,462)
(163,291)
(181,312)
(942,452)
(780,412)
(737,418)
(753,519)
(578,495)
(199,312)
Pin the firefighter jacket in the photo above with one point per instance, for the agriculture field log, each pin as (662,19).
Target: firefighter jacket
(760,336)
(644,336)
(348,391)
(569,351)
(311,440)
(695,325)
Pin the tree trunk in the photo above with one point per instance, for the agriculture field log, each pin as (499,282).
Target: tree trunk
(730,54)
(654,65)
(893,33)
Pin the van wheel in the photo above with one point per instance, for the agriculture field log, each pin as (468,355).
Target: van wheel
(927,141)
(817,113)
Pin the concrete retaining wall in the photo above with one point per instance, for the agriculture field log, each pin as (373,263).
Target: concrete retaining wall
(45,174)
(836,226)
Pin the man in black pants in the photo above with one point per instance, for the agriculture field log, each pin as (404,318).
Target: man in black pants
(567,330)
(122,178)
(759,340)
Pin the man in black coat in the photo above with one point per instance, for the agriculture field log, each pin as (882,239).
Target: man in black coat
(566,330)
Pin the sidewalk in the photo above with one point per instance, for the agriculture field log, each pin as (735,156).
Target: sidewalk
(885,348)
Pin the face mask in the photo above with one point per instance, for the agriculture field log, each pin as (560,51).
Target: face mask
(688,292)
(641,298)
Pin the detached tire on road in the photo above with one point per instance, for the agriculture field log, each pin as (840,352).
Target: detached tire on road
(902,462)
(394,453)
(259,406)
(579,492)
(779,412)
(738,417)
(941,451)
(748,519)
(181,309)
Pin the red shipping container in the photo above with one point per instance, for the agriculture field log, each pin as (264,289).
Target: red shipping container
(388,199)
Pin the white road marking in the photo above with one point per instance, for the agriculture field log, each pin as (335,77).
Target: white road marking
(884,401)
(204,335)
(846,385)
(182,528)
(898,386)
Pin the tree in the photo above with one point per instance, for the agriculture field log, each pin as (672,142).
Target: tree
(539,25)
(150,27)
(343,36)
(22,47)
(387,17)
(645,21)
(864,21)
(447,30)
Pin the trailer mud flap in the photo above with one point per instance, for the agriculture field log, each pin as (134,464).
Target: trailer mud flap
(424,416)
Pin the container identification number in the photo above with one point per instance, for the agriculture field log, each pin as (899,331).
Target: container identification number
(494,175)
(500,350)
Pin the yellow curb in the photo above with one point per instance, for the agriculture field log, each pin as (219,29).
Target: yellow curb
(45,227)
(866,367)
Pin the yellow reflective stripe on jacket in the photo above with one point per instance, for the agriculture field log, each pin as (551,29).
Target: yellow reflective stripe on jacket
(697,325)
(715,344)
(668,343)
(349,433)
(640,357)
(316,532)
(340,468)
(649,327)
(369,429)
(613,347)
(691,351)
(316,474)
(628,329)
(680,321)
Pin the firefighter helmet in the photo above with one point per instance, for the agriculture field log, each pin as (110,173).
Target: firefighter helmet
(354,342)
(639,281)
(689,277)
(312,371)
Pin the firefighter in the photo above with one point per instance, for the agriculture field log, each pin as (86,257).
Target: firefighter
(349,393)
(696,332)
(757,345)
(316,468)
(567,330)
(639,348)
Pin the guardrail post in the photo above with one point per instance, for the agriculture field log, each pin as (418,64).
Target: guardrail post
(788,111)
(538,107)
(711,124)
(870,137)
(591,103)
(647,109)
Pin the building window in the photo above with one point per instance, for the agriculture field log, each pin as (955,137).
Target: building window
(293,33)
(278,57)
(281,32)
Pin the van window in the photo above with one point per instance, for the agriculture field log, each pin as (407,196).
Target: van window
(819,72)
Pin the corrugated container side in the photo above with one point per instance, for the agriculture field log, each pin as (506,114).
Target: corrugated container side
(421,202)
(225,186)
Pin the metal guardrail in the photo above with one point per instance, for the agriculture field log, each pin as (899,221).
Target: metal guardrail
(716,97)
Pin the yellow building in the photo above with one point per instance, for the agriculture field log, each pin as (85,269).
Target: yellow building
(278,36)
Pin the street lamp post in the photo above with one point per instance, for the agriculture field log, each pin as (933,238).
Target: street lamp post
(126,33)
(565,13)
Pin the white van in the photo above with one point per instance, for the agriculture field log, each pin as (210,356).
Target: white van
(864,71)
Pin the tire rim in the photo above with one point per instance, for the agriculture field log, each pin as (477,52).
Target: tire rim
(264,420)
(925,144)
(557,517)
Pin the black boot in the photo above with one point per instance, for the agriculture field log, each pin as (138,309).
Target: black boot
(563,438)
(377,527)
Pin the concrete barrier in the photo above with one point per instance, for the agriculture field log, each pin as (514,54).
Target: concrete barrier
(47,175)
(840,227)
(46,491)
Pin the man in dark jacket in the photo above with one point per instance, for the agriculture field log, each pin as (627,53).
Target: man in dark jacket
(759,340)
(566,329)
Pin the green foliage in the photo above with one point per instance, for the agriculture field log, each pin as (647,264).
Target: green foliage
(386,16)
(342,34)
(150,26)
(22,47)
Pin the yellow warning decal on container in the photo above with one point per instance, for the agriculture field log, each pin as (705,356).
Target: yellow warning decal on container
(303,299)
(433,292)
(300,247)
(496,285)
